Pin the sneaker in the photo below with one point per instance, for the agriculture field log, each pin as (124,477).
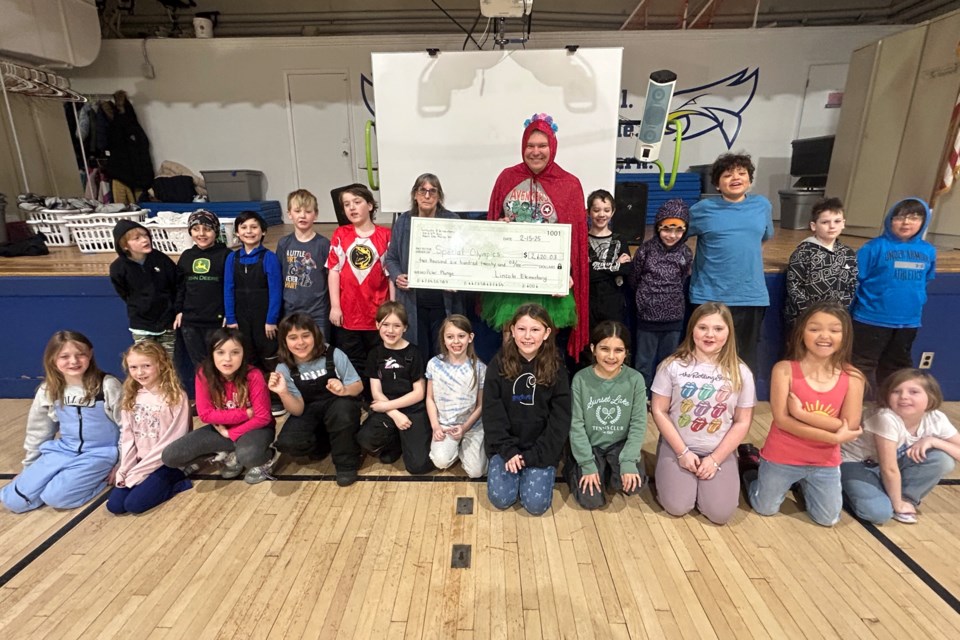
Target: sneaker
(277,410)
(257,475)
(748,457)
(346,477)
(904,517)
(231,466)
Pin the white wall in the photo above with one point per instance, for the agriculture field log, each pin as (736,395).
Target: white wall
(221,103)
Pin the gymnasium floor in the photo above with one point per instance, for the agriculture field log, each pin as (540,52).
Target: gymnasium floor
(302,558)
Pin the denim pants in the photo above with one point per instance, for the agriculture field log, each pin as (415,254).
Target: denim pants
(821,490)
(650,349)
(866,496)
(533,486)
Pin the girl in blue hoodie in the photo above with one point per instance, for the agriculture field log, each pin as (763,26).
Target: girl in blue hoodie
(894,270)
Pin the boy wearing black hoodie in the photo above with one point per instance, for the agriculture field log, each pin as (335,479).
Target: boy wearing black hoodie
(200,292)
(146,280)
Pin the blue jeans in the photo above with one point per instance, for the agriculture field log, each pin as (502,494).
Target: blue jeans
(866,496)
(533,486)
(821,490)
(650,349)
(155,489)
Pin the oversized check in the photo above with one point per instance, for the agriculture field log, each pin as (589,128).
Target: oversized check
(475,255)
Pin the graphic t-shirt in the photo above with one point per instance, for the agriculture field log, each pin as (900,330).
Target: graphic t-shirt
(888,425)
(528,202)
(316,369)
(363,276)
(305,276)
(397,370)
(702,401)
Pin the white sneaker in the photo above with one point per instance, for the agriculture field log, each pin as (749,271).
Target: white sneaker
(231,466)
(257,475)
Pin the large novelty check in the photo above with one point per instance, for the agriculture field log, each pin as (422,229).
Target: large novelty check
(475,255)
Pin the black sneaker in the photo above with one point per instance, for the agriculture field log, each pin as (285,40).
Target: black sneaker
(346,477)
(748,458)
(277,409)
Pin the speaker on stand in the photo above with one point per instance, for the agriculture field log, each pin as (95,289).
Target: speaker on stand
(630,220)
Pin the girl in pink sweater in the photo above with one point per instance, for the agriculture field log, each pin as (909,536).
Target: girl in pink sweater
(232,398)
(154,411)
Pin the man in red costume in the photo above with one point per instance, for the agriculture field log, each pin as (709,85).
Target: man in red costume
(539,190)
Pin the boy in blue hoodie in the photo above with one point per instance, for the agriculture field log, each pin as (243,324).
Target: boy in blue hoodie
(252,293)
(894,270)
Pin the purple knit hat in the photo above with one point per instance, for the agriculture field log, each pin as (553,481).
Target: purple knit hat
(675,208)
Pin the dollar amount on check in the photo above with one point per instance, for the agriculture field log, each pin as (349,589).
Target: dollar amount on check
(475,255)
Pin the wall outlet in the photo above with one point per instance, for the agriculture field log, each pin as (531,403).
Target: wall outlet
(926,359)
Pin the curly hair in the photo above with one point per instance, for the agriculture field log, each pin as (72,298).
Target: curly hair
(170,387)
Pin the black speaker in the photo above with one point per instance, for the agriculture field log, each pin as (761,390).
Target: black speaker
(630,220)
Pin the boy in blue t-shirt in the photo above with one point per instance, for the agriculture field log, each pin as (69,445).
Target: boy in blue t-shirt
(303,258)
(894,270)
(728,263)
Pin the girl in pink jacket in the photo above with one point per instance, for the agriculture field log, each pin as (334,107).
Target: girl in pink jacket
(233,401)
(154,411)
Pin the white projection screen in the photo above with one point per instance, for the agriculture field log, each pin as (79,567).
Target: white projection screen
(460,115)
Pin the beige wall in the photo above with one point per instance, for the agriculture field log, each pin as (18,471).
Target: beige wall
(47,151)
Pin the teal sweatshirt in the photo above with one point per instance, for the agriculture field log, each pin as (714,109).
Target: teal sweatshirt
(606,412)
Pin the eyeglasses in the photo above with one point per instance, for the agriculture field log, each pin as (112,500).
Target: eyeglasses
(912,217)
(426,193)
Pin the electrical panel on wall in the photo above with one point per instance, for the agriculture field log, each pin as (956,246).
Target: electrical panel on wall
(50,32)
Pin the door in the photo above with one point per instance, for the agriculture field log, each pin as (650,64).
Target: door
(319,106)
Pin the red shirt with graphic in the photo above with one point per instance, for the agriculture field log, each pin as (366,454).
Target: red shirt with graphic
(363,277)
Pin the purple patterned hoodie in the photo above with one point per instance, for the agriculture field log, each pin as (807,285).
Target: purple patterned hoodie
(660,272)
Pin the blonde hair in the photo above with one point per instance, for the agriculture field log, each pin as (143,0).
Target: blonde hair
(302,198)
(54,380)
(727,359)
(126,237)
(170,387)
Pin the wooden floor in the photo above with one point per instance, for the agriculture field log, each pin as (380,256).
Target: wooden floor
(68,261)
(302,558)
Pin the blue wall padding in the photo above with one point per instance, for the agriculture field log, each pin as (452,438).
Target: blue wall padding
(35,307)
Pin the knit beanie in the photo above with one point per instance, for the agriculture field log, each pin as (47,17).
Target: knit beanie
(204,217)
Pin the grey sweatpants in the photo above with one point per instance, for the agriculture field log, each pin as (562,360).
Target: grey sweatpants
(253,447)
(679,491)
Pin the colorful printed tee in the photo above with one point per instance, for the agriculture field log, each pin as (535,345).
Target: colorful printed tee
(702,401)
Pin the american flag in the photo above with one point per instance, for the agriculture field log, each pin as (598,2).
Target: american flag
(951,158)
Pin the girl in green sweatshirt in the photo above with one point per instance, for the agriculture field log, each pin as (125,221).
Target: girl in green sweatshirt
(609,421)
